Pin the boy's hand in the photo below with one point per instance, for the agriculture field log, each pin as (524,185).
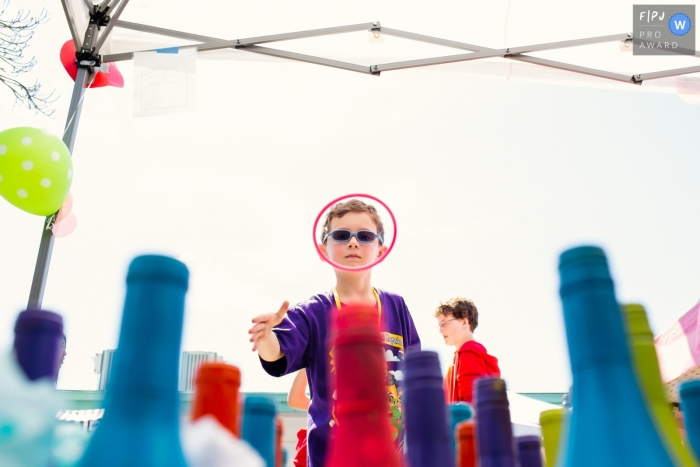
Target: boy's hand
(262,328)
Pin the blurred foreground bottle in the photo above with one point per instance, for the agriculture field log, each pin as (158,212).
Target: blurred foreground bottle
(140,427)
(529,451)
(362,436)
(494,431)
(216,393)
(551,422)
(37,345)
(690,405)
(458,412)
(646,365)
(27,416)
(259,414)
(427,431)
(466,447)
(610,425)
(279,436)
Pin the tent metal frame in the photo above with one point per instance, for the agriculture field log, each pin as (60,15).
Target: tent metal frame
(89,59)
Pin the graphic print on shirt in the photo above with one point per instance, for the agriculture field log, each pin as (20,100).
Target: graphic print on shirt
(393,354)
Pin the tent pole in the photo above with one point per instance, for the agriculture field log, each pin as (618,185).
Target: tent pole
(41,270)
(87,57)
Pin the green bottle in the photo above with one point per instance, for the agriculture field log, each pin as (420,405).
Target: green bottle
(646,366)
(551,422)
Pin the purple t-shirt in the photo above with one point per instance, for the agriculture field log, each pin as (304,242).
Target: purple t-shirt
(303,334)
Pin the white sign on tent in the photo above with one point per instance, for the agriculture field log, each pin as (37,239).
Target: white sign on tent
(164,82)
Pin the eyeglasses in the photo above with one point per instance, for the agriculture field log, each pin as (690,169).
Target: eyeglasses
(362,236)
(444,323)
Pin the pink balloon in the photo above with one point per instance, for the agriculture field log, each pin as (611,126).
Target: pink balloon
(66,226)
(65,209)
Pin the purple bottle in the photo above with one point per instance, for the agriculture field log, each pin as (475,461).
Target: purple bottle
(38,338)
(529,451)
(427,432)
(494,432)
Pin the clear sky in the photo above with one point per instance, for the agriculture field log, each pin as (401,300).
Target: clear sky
(490,181)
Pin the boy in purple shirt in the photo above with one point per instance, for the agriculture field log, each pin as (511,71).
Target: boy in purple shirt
(352,236)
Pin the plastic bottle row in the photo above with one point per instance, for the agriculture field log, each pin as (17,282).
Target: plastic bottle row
(620,414)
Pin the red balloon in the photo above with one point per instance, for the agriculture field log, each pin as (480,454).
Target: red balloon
(112,77)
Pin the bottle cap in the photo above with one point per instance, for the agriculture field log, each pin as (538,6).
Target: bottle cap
(422,368)
(582,267)
(259,405)
(156,268)
(490,392)
(689,388)
(216,372)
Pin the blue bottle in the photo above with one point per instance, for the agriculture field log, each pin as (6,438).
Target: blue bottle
(690,405)
(259,426)
(140,427)
(529,451)
(610,425)
(458,412)
(37,345)
(427,430)
(494,431)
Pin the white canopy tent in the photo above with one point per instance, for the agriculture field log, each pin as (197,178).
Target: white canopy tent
(568,54)
(96,30)
(585,49)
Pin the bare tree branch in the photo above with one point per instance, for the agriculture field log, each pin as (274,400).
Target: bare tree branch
(15,34)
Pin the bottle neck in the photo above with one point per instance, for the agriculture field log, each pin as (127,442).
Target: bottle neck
(146,360)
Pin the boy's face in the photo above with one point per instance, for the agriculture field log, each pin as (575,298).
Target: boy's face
(453,330)
(353,253)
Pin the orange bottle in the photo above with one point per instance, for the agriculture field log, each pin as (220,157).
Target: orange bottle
(216,393)
(466,448)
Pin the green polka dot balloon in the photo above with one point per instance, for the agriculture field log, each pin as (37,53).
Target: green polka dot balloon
(36,170)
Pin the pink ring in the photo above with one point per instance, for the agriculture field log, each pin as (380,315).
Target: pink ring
(361,268)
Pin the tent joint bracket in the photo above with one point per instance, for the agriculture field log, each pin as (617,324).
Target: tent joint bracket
(99,17)
(88,58)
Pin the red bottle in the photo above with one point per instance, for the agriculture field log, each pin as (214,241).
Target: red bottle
(362,435)
(466,448)
(216,393)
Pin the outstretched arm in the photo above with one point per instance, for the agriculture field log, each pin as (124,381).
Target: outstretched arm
(264,340)
(297,398)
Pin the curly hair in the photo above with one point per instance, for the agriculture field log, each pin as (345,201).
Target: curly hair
(459,308)
(353,205)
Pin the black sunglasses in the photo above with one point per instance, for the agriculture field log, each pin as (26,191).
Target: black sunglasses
(362,236)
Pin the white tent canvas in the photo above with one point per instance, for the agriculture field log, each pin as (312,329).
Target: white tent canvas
(492,168)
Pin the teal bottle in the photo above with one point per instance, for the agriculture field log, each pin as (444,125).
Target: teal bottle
(690,404)
(610,425)
(259,429)
(140,427)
